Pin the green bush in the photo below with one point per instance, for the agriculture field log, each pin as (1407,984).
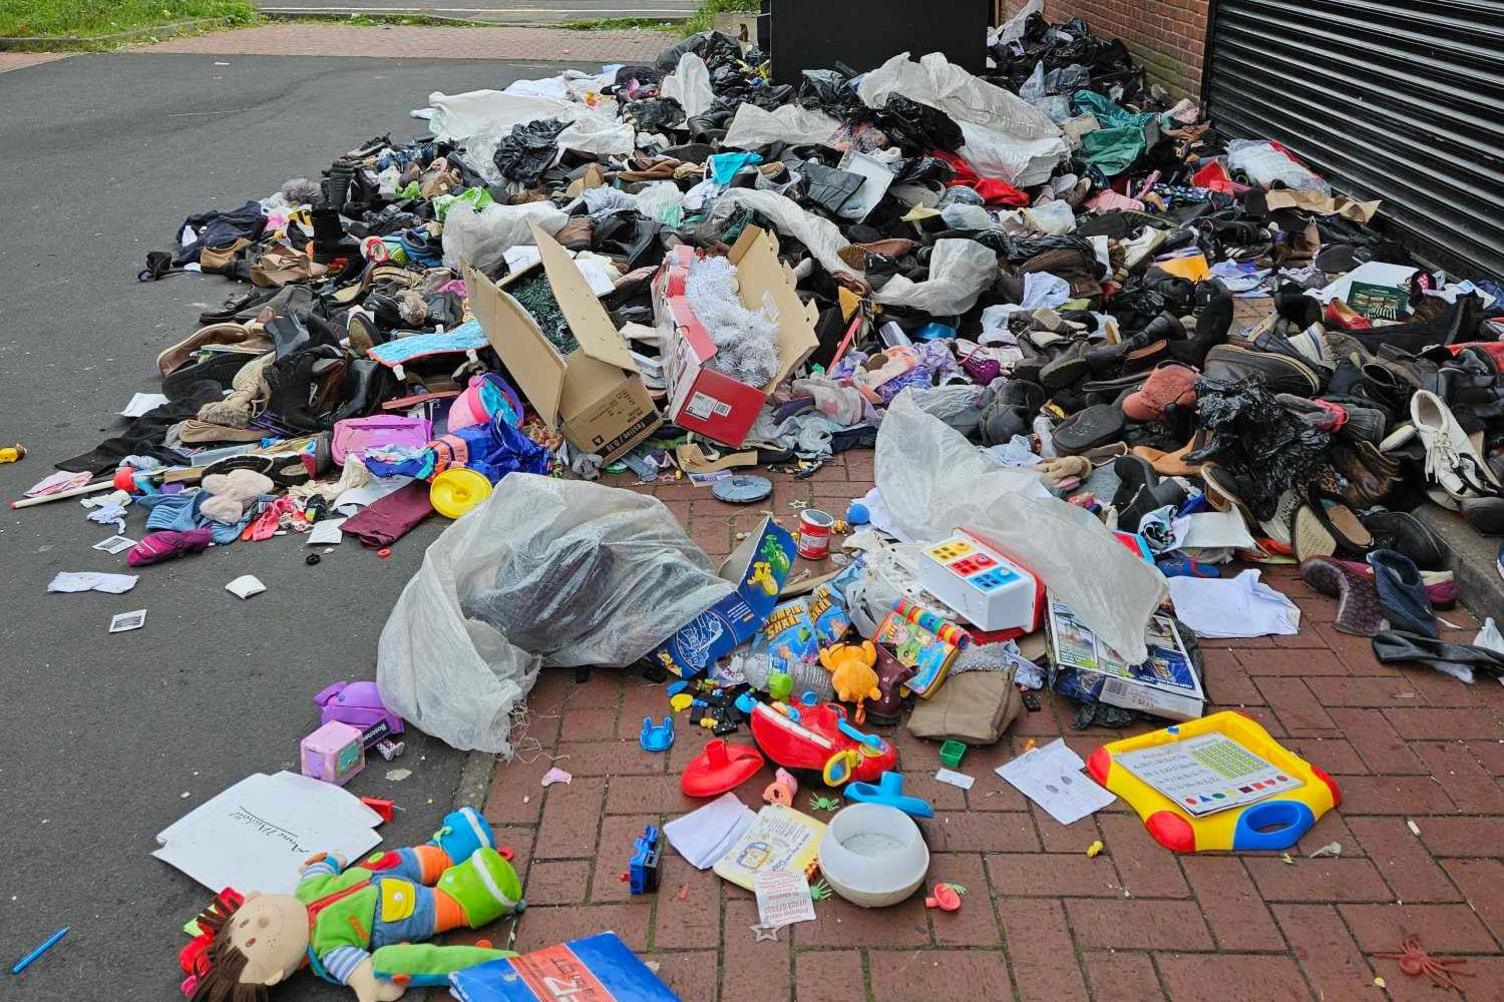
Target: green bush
(704,18)
(40,18)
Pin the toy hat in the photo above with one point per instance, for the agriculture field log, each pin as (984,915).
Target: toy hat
(720,768)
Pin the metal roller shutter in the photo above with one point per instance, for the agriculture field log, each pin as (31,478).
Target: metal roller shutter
(1399,100)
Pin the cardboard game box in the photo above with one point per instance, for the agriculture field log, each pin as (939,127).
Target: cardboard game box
(757,570)
(598,968)
(594,395)
(702,399)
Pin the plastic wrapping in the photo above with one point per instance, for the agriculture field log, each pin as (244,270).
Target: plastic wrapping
(544,572)
(1266,165)
(823,237)
(599,135)
(959,271)
(689,84)
(491,114)
(482,237)
(933,480)
(754,127)
(1021,162)
(661,200)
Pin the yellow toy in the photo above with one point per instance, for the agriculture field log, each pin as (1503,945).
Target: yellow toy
(851,674)
(1271,824)
(762,574)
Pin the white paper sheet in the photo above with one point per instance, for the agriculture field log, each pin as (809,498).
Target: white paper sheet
(142,403)
(1212,529)
(783,898)
(1051,776)
(325,532)
(957,779)
(256,834)
(357,498)
(1233,607)
(114,544)
(704,835)
(76,581)
(245,586)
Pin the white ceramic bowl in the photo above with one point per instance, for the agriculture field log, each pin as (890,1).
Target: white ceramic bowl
(873,856)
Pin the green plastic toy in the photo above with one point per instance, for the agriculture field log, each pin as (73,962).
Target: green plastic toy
(951,753)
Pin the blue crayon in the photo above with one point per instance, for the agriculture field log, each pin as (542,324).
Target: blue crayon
(47,944)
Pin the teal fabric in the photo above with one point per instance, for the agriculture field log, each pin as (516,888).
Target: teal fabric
(1120,141)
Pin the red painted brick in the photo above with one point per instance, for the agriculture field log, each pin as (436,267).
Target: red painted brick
(515,797)
(1335,756)
(1482,885)
(1364,691)
(1328,828)
(1320,943)
(1437,689)
(1305,664)
(1146,868)
(690,975)
(990,832)
(1268,979)
(1377,743)
(557,882)
(829,976)
(1295,705)
(694,921)
(974,924)
(1381,927)
(753,971)
(1462,836)
(1138,924)
(1490,754)
(1041,951)
(1227,684)
(1231,904)
(571,818)
(1122,977)
(648,795)
(589,723)
(1466,782)
(1054,875)
(607,758)
(1407,795)
(540,927)
(1323,879)
(1443,723)
(1402,860)
(839,924)
(934,975)
(618,833)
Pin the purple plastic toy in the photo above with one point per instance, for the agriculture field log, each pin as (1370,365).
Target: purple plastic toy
(357,704)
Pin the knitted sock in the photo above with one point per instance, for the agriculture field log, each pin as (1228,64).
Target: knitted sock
(160,546)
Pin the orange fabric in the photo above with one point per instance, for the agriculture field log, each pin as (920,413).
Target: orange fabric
(447,913)
(433,861)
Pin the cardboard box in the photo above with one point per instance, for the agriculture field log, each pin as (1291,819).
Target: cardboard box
(599,968)
(595,395)
(700,398)
(757,570)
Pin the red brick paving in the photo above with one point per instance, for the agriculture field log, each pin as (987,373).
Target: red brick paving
(1040,920)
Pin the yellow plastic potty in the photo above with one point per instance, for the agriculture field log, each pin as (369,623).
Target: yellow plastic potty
(457,490)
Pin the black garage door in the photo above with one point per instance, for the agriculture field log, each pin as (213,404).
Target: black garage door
(1395,99)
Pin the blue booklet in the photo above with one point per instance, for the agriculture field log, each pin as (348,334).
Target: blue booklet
(598,968)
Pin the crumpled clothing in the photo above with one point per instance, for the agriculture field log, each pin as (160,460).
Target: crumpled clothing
(180,513)
(808,433)
(219,228)
(1157,530)
(838,401)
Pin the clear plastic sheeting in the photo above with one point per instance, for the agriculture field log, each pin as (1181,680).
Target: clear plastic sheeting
(460,118)
(754,127)
(598,135)
(482,237)
(1267,166)
(689,84)
(823,237)
(933,480)
(1006,137)
(543,573)
(1013,29)
(959,271)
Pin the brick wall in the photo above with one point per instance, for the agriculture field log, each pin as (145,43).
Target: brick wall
(1167,36)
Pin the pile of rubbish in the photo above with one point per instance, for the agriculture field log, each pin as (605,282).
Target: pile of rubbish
(1019,288)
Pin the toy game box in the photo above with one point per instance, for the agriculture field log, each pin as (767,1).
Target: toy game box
(598,968)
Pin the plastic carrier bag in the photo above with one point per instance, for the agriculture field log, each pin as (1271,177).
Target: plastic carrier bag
(932,481)
(544,572)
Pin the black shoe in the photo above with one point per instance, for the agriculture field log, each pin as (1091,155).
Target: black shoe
(1277,373)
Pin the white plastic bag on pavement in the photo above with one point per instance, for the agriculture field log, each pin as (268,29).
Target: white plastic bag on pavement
(753,127)
(459,118)
(689,84)
(1265,165)
(482,237)
(959,271)
(933,480)
(544,572)
(1013,29)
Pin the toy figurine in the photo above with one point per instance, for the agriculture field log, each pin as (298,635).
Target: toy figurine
(850,667)
(362,926)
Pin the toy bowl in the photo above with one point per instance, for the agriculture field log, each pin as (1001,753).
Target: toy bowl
(873,856)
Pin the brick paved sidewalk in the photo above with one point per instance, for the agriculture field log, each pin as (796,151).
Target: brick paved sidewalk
(1041,921)
(301,38)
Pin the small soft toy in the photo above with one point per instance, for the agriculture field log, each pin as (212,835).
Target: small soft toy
(363,926)
(850,667)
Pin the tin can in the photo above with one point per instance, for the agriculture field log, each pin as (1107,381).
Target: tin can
(814,534)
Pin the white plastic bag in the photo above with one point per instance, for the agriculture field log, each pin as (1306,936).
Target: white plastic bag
(753,127)
(481,238)
(544,572)
(460,118)
(940,83)
(1021,162)
(1265,165)
(933,480)
(689,84)
(823,237)
(959,271)
(599,135)
(661,200)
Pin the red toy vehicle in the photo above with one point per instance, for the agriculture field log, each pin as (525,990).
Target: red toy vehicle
(821,739)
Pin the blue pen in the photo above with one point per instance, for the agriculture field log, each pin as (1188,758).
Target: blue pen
(48,944)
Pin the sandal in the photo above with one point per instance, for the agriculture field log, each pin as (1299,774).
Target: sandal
(1323,527)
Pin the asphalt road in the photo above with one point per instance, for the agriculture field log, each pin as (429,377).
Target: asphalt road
(110,738)
(531,12)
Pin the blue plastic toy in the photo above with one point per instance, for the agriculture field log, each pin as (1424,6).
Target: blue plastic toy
(642,872)
(658,738)
(857,514)
(888,791)
(746,702)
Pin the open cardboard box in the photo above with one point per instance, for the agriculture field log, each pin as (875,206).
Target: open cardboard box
(594,395)
(700,398)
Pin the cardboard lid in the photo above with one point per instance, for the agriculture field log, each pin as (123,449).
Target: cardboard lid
(527,354)
(588,319)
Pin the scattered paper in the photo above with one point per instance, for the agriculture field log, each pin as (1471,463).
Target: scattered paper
(126,621)
(780,838)
(143,403)
(76,581)
(115,544)
(956,779)
(1242,606)
(257,833)
(783,898)
(245,586)
(556,775)
(325,532)
(398,775)
(704,835)
(1051,777)
(357,498)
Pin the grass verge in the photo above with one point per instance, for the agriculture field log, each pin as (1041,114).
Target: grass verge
(703,19)
(83,18)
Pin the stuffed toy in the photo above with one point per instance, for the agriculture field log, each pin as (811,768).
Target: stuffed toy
(361,926)
(850,667)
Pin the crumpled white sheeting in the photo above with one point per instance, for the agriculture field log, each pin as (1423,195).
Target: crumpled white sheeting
(959,271)
(808,434)
(689,84)
(753,127)
(823,237)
